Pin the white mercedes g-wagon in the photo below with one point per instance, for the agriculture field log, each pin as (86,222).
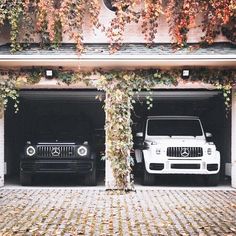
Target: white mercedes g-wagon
(176,145)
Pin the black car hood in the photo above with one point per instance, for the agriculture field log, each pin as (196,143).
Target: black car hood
(57,140)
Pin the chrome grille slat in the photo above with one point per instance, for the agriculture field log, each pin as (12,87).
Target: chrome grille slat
(64,151)
(176,151)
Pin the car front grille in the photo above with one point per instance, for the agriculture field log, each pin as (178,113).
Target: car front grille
(185,166)
(55,151)
(184,152)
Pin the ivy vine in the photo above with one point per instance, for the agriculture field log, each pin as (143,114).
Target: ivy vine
(8,91)
(53,20)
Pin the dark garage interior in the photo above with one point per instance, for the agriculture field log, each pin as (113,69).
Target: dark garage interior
(208,105)
(49,113)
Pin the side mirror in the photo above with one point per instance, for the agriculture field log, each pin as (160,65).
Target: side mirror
(209,135)
(139,135)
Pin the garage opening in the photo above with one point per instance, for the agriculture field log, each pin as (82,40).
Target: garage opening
(207,105)
(48,115)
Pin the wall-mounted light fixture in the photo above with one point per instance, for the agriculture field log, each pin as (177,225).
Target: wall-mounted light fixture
(185,73)
(49,74)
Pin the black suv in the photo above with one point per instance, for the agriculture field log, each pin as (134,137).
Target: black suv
(59,144)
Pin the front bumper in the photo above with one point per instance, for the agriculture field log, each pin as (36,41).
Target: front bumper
(164,165)
(77,166)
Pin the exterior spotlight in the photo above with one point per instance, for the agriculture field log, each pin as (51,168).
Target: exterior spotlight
(49,74)
(185,74)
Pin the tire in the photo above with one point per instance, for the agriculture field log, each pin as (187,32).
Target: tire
(91,178)
(148,179)
(25,179)
(212,180)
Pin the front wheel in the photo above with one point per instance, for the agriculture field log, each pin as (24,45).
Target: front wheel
(148,179)
(25,179)
(212,180)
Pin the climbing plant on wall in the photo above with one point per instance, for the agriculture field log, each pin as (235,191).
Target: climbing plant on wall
(46,21)
(120,88)
(50,21)
(8,91)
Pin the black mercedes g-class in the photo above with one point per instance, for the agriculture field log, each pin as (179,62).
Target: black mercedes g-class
(59,144)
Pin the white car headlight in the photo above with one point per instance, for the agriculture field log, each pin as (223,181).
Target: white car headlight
(30,151)
(82,151)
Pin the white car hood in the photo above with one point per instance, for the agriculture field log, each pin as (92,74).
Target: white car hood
(177,141)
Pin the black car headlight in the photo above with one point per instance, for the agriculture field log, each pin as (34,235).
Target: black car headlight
(82,151)
(30,151)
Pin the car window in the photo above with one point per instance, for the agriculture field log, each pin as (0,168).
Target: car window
(60,127)
(174,128)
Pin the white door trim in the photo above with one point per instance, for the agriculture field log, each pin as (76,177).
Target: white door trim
(233,139)
(2,151)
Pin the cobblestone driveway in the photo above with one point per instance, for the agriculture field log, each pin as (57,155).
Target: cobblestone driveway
(97,212)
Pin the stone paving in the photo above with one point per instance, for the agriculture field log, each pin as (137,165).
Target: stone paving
(89,211)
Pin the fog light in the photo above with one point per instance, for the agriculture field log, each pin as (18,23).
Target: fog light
(209,151)
(212,167)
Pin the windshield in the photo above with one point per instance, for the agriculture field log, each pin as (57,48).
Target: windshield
(60,127)
(174,128)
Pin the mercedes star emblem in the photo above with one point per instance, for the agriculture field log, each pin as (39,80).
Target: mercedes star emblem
(184,152)
(55,152)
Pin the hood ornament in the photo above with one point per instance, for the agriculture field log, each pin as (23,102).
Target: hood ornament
(55,152)
(184,152)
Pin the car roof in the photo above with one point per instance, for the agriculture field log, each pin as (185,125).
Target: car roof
(174,117)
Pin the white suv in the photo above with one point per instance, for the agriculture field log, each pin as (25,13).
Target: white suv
(176,145)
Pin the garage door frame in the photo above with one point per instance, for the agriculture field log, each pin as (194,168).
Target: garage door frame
(233,139)
(2,151)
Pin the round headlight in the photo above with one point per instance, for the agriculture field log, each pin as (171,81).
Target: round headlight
(82,151)
(30,151)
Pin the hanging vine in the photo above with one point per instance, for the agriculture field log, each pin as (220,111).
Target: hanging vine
(150,14)
(8,91)
(223,80)
(15,10)
(3,12)
(48,23)
(215,15)
(181,16)
(72,15)
(125,14)
(28,22)
(54,20)
(229,29)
